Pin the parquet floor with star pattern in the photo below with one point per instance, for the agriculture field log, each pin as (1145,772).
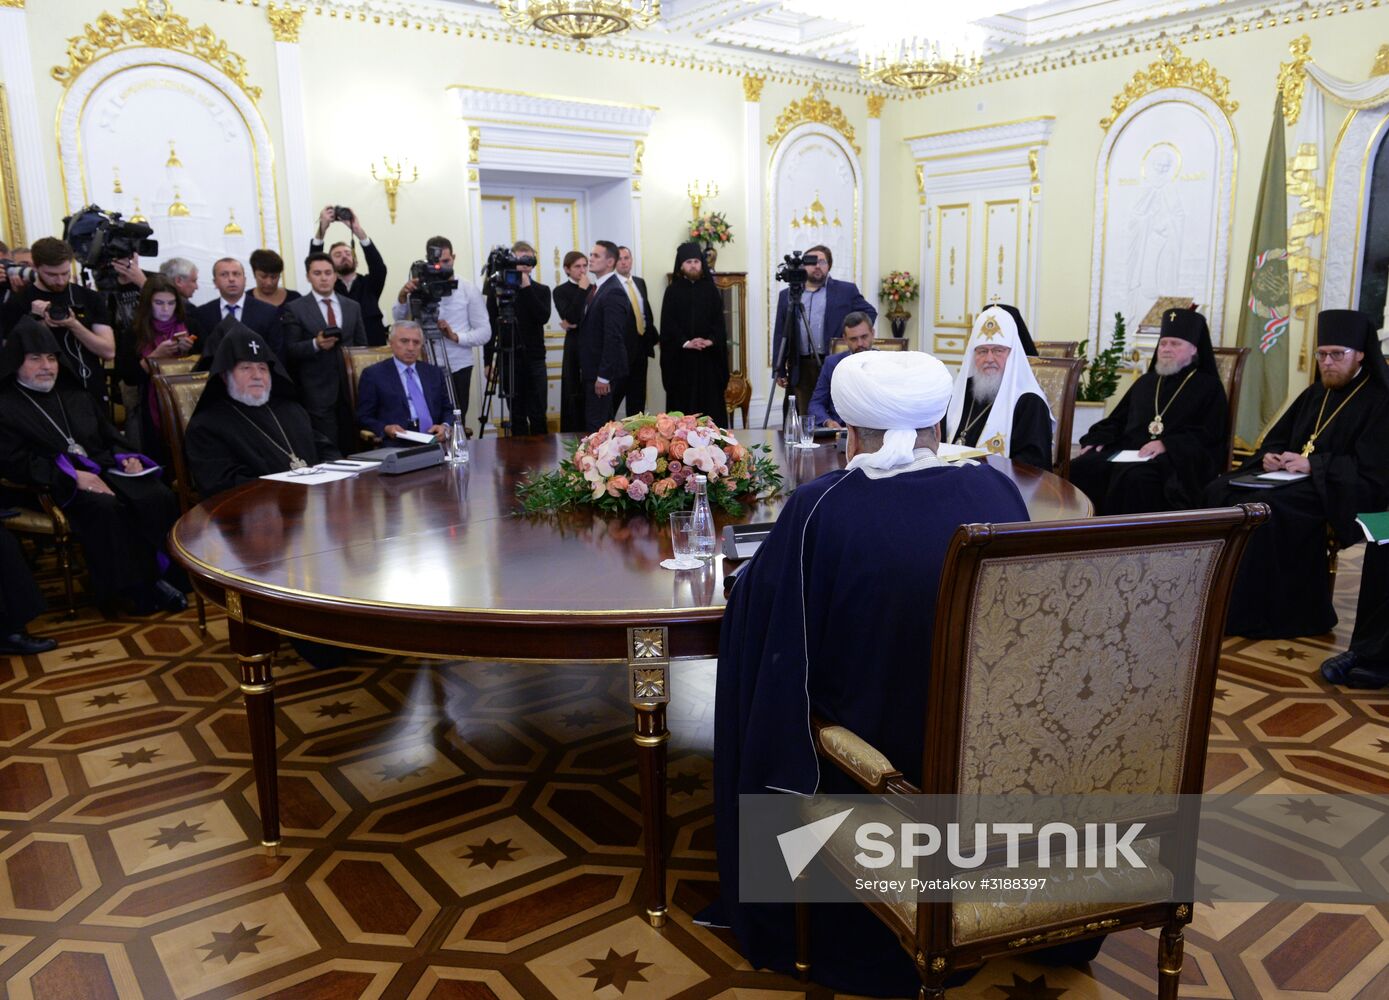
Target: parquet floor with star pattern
(470,831)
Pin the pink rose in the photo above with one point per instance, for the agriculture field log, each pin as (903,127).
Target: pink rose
(617,484)
(646,435)
(737,452)
(665,426)
(637,491)
(677,449)
(662,486)
(662,445)
(647,478)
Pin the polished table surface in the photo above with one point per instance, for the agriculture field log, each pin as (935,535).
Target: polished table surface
(441,545)
(440,563)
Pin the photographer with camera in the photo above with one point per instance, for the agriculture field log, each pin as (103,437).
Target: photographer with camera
(451,312)
(315,327)
(76,316)
(16,271)
(521,376)
(363,289)
(824,304)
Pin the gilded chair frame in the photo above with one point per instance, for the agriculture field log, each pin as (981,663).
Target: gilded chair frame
(1062,408)
(178,397)
(1220,535)
(356,360)
(1231,361)
(838,345)
(1057,348)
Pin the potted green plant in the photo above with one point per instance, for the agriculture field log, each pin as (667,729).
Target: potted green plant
(1099,379)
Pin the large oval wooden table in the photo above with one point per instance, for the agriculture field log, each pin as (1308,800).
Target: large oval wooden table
(438,563)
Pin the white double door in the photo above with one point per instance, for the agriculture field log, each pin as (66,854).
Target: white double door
(555,221)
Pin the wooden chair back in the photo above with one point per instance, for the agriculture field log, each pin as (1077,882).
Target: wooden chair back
(39,514)
(838,345)
(1231,362)
(1059,379)
(172,366)
(178,396)
(1057,348)
(1028,617)
(357,360)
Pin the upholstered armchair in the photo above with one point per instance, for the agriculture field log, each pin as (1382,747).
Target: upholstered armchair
(178,396)
(1069,658)
(1059,378)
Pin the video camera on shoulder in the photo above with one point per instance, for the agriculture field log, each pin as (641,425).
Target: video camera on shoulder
(792,270)
(503,273)
(433,278)
(99,238)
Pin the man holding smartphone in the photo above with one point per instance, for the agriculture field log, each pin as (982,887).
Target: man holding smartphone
(315,326)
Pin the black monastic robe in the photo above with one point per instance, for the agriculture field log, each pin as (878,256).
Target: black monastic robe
(20,600)
(815,624)
(122,535)
(225,451)
(1281,590)
(1195,425)
(569,303)
(1030,438)
(1370,640)
(694,380)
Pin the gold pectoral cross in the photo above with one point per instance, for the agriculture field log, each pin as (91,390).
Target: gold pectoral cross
(1308,448)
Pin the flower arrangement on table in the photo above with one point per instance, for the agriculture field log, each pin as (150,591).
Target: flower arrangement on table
(649,463)
(899,287)
(711,228)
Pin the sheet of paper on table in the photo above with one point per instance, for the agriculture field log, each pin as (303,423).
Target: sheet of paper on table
(415,437)
(958,452)
(1283,476)
(309,477)
(1130,455)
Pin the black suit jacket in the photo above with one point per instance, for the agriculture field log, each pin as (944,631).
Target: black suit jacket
(841,298)
(319,374)
(259,316)
(638,347)
(603,334)
(365,291)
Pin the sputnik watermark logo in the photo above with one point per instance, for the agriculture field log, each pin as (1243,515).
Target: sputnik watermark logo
(799,846)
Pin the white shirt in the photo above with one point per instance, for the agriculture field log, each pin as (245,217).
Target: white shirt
(465,311)
(323,308)
(240,305)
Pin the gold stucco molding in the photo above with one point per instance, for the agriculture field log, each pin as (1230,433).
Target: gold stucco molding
(9,176)
(15,4)
(152,23)
(1292,77)
(1381,66)
(752,88)
(813,109)
(284,22)
(1173,70)
(875,105)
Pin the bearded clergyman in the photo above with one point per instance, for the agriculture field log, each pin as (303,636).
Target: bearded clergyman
(247,423)
(996,403)
(1325,461)
(1167,438)
(54,435)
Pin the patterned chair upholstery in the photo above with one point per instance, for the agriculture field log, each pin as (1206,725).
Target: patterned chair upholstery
(1059,379)
(839,345)
(171,366)
(1057,348)
(1069,658)
(1231,361)
(178,396)
(357,360)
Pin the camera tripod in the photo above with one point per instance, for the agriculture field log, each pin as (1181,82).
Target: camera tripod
(501,382)
(796,319)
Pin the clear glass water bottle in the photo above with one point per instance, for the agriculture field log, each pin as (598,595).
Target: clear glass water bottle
(458,441)
(791,425)
(703,529)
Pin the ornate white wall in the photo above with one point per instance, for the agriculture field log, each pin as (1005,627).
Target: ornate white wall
(1348,206)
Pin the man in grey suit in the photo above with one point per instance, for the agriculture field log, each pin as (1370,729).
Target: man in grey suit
(316,328)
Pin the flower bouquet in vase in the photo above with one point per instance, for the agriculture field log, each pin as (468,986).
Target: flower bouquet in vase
(898,287)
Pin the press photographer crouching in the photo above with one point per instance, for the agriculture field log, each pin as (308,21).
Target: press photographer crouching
(519,308)
(76,316)
(451,313)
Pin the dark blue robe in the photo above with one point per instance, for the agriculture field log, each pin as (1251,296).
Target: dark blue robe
(851,572)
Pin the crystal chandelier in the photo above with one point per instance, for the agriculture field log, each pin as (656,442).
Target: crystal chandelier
(580,19)
(917,64)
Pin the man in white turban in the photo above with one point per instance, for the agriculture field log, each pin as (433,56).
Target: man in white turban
(833,617)
(997,404)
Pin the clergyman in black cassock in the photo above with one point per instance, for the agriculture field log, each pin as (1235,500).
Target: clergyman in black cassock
(1016,421)
(692,313)
(1366,663)
(1182,417)
(230,442)
(814,624)
(1335,433)
(20,601)
(54,435)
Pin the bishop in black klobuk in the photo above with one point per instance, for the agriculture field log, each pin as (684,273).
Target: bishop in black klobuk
(1335,437)
(1176,412)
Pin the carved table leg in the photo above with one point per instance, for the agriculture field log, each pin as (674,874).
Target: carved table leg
(255,653)
(648,665)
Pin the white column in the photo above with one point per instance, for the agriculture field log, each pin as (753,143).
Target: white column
(868,280)
(294,124)
(756,334)
(17,71)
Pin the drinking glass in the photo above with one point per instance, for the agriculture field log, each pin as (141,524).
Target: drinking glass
(807,432)
(682,539)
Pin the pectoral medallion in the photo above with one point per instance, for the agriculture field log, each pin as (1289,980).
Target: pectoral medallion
(995,444)
(76,449)
(296,463)
(1155,427)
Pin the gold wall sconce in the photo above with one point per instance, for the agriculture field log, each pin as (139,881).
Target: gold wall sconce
(697,196)
(392,176)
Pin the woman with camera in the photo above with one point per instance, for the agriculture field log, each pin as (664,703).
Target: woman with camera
(569,303)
